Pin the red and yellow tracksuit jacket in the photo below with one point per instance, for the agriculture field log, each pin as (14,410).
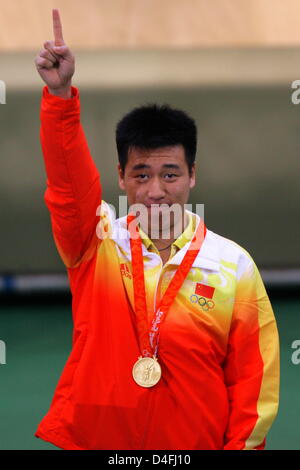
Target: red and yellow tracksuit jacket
(219,345)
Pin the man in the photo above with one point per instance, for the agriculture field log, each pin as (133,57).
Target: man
(175,344)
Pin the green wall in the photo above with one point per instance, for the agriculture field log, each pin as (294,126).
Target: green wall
(248,168)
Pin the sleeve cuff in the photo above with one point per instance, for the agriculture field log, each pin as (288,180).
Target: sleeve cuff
(57,99)
(56,103)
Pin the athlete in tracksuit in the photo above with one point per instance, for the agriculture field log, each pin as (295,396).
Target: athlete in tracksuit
(218,343)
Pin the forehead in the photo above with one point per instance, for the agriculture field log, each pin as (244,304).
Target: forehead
(156,157)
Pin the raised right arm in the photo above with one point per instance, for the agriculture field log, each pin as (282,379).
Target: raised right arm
(73,191)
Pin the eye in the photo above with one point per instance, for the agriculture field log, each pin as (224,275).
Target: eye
(142,176)
(170,175)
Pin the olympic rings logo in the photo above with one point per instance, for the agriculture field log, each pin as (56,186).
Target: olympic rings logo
(203,302)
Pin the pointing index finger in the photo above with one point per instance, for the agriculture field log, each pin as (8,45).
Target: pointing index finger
(57,28)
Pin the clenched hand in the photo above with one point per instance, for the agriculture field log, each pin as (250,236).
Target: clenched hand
(55,63)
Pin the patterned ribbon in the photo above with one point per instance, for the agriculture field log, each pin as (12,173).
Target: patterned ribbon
(148,340)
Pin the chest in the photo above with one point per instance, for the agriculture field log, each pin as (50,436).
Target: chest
(206,297)
(199,317)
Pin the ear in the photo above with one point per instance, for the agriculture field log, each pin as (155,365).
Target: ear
(193,176)
(121,177)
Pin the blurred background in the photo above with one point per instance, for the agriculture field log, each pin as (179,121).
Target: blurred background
(230,65)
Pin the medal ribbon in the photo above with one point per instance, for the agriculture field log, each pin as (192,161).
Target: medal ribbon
(148,340)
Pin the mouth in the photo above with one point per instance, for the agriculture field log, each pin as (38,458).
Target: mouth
(157,206)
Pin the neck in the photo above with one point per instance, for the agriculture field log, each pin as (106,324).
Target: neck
(176,230)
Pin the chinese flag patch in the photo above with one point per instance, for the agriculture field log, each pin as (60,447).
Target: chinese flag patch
(204,291)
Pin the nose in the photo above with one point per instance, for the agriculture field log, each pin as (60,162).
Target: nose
(156,190)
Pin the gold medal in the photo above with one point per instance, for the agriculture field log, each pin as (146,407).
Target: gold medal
(146,371)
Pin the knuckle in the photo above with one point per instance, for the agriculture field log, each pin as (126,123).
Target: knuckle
(48,44)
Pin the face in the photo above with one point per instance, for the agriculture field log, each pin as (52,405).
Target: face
(155,177)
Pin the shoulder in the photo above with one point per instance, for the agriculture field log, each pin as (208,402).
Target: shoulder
(229,251)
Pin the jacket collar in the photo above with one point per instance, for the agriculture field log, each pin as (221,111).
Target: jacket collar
(207,258)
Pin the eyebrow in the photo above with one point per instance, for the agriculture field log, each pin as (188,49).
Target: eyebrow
(140,166)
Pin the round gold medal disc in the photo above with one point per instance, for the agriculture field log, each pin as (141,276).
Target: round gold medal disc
(146,371)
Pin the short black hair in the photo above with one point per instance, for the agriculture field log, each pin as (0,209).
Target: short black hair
(152,126)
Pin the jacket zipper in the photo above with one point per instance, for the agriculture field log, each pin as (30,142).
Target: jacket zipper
(155,294)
